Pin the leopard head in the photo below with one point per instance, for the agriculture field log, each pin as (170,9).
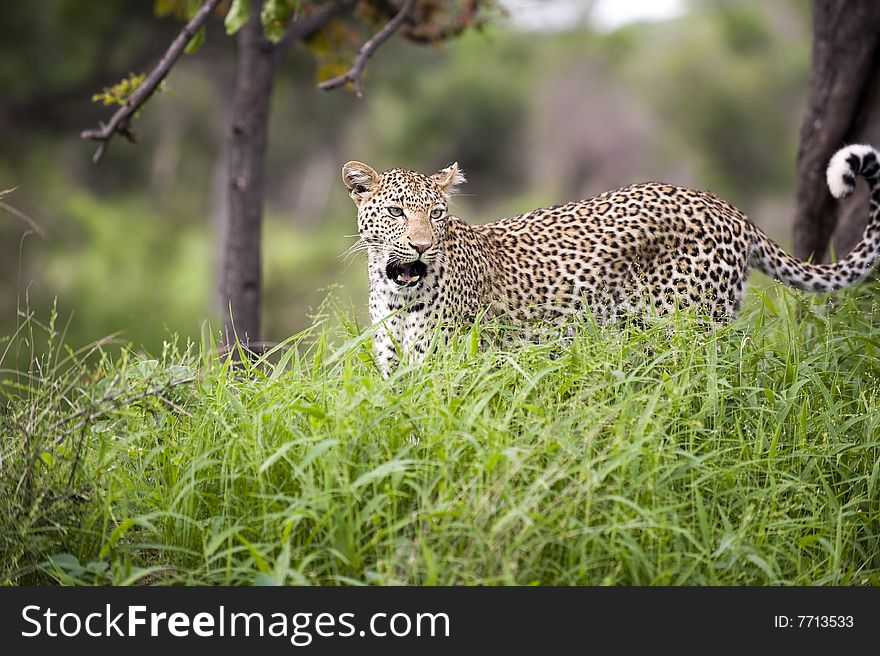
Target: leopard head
(402,217)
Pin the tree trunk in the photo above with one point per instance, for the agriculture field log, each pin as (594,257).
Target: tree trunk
(240,261)
(843,108)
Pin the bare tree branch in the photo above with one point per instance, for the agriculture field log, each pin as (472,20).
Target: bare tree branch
(120,121)
(367,50)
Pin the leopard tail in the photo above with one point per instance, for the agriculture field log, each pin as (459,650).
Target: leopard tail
(768,257)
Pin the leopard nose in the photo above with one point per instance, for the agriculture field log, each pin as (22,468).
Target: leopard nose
(420,246)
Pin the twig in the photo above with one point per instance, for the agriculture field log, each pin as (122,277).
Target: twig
(21,215)
(109,396)
(181,410)
(79,448)
(117,401)
(119,122)
(155,391)
(354,73)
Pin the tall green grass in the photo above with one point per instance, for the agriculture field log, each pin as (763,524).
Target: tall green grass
(665,453)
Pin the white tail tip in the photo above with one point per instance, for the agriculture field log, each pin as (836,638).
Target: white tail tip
(841,174)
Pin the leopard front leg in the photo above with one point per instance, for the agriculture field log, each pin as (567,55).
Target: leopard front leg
(385,350)
(387,339)
(419,325)
(405,330)
(406,335)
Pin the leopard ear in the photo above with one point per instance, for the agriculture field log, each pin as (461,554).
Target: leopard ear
(449,178)
(360,180)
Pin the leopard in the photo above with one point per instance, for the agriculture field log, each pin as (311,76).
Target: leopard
(649,247)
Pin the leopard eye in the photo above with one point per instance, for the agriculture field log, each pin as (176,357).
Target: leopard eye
(395,211)
(436,214)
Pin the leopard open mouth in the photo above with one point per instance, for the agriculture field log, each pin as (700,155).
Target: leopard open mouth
(408,274)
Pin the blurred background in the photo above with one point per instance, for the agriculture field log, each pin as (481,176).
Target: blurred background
(557,101)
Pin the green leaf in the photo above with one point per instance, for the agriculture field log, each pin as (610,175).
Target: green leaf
(275,16)
(196,42)
(67,563)
(282,565)
(97,566)
(259,561)
(808,540)
(382,471)
(237,16)
(271,460)
(144,368)
(311,410)
(115,535)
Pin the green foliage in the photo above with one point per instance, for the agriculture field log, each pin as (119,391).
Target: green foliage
(666,453)
(275,15)
(120,92)
(237,16)
(196,42)
(45,497)
(107,251)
